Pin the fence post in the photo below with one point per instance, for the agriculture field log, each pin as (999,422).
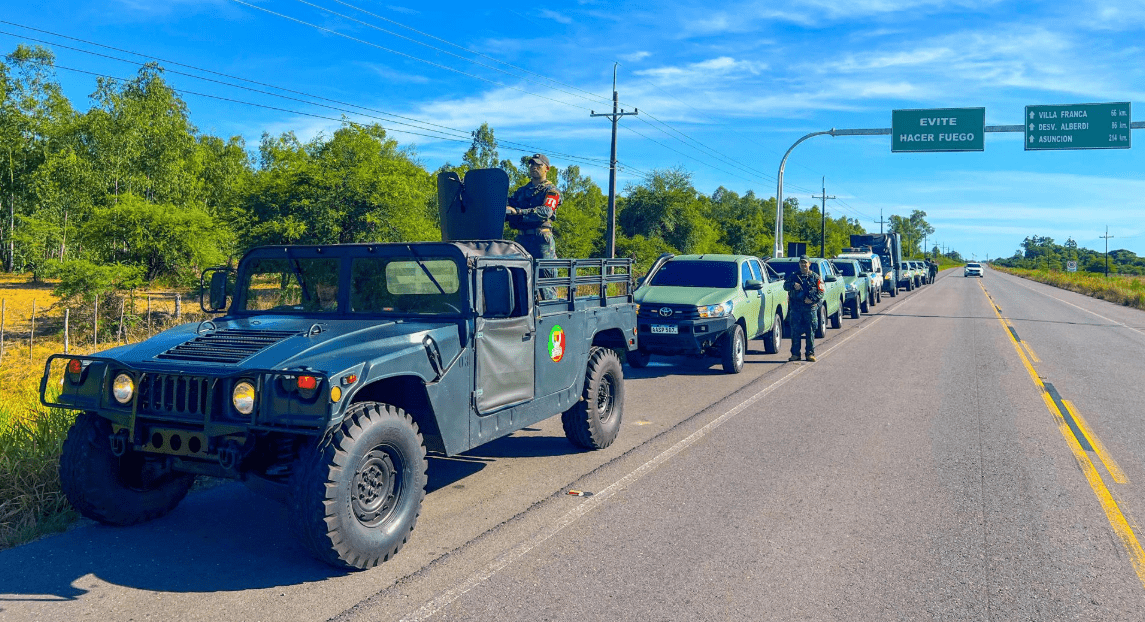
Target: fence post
(3,314)
(148,315)
(120,334)
(67,317)
(32,335)
(95,324)
(178,306)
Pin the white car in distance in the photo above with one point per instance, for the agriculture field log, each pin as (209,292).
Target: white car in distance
(972,269)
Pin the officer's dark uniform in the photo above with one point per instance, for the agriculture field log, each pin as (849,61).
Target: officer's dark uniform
(803,317)
(536,206)
(933,265)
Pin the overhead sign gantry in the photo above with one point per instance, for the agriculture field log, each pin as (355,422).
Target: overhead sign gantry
(935,130)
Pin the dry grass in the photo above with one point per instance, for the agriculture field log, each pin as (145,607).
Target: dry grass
(1125,290)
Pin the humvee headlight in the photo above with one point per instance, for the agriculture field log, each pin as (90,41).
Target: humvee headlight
(243,397)
(122,388)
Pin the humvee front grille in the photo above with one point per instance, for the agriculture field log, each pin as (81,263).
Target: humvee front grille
(230,345)
(166,394)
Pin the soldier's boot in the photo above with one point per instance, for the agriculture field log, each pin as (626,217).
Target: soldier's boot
(811,358)
(793,357)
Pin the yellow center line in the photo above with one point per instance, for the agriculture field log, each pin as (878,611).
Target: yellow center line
(1098,448)
(1113,512)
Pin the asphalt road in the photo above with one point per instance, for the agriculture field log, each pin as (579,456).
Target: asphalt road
(969,451)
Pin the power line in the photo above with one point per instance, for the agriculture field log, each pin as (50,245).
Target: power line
(409,56)
(421,126)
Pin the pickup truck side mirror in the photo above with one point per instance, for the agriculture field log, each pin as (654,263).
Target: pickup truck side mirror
(216,301)
(497,292)
(752,284)
(830,279)
(639,281)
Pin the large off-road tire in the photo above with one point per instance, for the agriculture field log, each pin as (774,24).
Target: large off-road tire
(837,317)
(821,324)
(733,350)
(638,358)
(774,337)
(115,490)
(356,493)
(594,421)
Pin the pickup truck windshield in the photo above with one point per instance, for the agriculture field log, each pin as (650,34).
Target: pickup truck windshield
(401,285)
(720,274)
(867,265)
(292,285)
(846,269)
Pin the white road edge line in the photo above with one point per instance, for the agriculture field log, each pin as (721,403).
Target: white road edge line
(1110,320)
(591,503)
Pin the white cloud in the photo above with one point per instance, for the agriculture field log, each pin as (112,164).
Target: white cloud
(402,9)
(635,56)
(391,75)
(555,16)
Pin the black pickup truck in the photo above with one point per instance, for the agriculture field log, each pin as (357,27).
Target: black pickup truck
(332,372)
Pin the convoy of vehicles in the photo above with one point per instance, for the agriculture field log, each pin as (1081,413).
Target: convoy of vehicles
(709,305)
(332,370)
(888,246)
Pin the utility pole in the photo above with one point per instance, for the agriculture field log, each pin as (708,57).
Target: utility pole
(610,242)
(1106,238)
(823,220)
(881,221)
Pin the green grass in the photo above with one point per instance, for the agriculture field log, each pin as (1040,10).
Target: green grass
(31,502)
(1122,290)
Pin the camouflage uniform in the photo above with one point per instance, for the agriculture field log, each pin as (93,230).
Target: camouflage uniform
(803,317)
(536,207)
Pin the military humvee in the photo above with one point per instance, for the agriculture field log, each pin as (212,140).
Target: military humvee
(334,370)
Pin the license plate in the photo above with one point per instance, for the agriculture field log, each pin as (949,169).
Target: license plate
(665,330)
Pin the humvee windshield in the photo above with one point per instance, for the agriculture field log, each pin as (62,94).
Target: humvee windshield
(298,285)
(696,274)
(405,285)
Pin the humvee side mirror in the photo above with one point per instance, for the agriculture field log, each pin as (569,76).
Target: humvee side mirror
(216,301)
(497,292)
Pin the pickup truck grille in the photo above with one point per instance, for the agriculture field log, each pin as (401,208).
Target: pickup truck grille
(230,345)
(175,394)
(653,311)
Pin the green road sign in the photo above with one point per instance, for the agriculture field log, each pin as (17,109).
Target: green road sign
(1078,126)
(938,129)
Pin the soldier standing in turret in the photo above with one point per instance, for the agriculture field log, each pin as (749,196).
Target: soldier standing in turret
(531,211)
(532,208)
(804,294)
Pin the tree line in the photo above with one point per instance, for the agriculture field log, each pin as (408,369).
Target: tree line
(131,192)
(1042,253)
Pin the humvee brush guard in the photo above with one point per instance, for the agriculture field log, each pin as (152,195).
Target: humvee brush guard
(333,371)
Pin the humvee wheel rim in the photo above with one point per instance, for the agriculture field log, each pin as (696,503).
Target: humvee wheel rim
(376,488)
(605,397)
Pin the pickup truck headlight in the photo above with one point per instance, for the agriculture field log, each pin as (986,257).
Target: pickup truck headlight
(712,311)
(853,287)
(243,397)
(122,388)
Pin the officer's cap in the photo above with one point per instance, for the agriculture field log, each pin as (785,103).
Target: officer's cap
(804,258)
(539,159)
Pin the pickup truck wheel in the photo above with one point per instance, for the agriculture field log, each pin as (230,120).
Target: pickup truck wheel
(821,325)
(865,307)
(115,490)
(894,291)
(355,495)
(638,359)
(733,350)
(837,317)
(774,337)
(855,310)
(594,421)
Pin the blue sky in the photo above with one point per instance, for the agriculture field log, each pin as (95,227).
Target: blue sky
(723,89)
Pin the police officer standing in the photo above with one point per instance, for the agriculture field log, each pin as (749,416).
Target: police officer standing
(932,269)
(532,208)
(804,294)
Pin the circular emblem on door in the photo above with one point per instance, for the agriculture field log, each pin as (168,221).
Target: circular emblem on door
(557,343)
(665,311)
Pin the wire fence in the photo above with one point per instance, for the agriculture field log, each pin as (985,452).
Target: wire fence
(28,329)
